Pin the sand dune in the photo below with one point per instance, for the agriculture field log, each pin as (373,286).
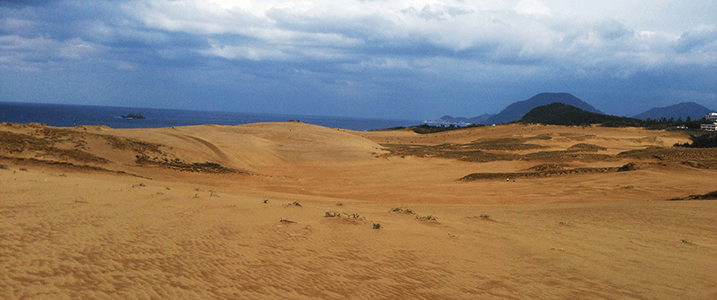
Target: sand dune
(240,212)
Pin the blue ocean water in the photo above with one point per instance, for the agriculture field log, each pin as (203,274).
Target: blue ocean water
(62,115)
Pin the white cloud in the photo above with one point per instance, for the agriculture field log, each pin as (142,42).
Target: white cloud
(16,51)
(532,7)
(381,35)
(243,52)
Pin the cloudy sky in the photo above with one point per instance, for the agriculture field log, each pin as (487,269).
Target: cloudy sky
(404,59)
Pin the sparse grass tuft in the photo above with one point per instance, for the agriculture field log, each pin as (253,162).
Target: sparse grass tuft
(295,203)
(376,225)
(402,210)
(427,218)
(484,217)
(343,215)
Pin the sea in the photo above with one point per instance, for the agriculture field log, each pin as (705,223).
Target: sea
(64,115)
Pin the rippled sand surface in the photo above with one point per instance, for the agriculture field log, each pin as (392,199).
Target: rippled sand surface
(296,211)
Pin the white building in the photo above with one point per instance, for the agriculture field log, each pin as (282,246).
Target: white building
(712,117)
(709,127)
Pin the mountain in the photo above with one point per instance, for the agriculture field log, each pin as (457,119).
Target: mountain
(563,114)
(518,109)
(480,119)
(447,120)
(680,110)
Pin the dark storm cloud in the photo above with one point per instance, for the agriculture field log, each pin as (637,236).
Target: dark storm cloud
(693,40)
(23,3)
(355,56)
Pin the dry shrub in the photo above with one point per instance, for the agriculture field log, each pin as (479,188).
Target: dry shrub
(402,210)
(343,215)
(586,147)
(427,218)
(484,217)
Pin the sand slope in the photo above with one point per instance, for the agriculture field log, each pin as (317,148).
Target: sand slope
(240,212)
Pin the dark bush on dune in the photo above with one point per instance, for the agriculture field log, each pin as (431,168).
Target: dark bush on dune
(708,140)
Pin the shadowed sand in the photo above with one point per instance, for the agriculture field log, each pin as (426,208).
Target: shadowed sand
(288,211)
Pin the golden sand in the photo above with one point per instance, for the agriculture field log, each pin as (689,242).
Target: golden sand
(289,211)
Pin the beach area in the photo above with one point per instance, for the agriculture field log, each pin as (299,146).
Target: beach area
(290,210)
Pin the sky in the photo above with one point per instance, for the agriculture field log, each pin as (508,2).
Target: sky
(410,59)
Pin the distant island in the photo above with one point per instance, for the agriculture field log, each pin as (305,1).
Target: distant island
(562,114)
(682,111)
(685,111)
(517,110)
(133,116)
(459,121)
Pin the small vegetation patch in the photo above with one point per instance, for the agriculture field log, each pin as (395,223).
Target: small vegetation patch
(489,150)
(293,204)
(179,165)
(708,140)
(696,157)
(538,174)
(137,146)
(629,167)
(547,167)
(402,210)
(427,218)
(708,196)
(210,165)
(586,148)
(344,216)
(508,144)
(483,217)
